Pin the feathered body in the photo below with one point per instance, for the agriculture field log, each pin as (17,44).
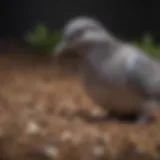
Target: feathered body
(116,75)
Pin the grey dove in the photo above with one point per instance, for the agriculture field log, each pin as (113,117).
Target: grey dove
(116,75)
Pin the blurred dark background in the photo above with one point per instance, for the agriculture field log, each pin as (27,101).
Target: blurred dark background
(127,19)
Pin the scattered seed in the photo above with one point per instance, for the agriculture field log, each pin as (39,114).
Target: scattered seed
(66,136)
(98,151)
(51,151)
(32,128)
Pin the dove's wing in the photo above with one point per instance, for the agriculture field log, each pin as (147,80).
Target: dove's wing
(145,72)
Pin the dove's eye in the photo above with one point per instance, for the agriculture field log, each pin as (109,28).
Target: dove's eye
(76,35)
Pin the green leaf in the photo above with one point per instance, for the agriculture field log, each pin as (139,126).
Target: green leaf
(42,37)
(147,44)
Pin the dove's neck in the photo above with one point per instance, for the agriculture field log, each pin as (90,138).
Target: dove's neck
(100,50)
(97,54)
(93,58)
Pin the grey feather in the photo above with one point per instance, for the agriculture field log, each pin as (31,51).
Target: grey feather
(116,75)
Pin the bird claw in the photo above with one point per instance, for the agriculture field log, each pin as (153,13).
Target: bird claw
(142,120)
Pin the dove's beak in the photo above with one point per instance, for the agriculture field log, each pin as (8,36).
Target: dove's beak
(60,48)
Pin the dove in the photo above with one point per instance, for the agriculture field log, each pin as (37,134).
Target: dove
(116,75)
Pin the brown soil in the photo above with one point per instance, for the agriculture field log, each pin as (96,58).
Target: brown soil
(42,115)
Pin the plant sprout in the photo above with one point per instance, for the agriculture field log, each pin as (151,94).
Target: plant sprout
(41,37)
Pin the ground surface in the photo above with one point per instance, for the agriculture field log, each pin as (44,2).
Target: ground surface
(40,106)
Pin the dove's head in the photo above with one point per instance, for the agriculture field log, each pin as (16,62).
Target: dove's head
(80,33)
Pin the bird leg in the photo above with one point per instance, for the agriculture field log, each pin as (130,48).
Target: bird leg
(146,110)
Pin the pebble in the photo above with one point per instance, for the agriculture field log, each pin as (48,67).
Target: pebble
(33,128)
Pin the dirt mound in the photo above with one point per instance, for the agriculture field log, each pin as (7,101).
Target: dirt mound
(41,106)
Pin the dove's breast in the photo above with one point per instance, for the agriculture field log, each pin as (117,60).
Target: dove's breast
(108,86)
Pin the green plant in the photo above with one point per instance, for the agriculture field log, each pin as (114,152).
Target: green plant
(147,44)
(42,38)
